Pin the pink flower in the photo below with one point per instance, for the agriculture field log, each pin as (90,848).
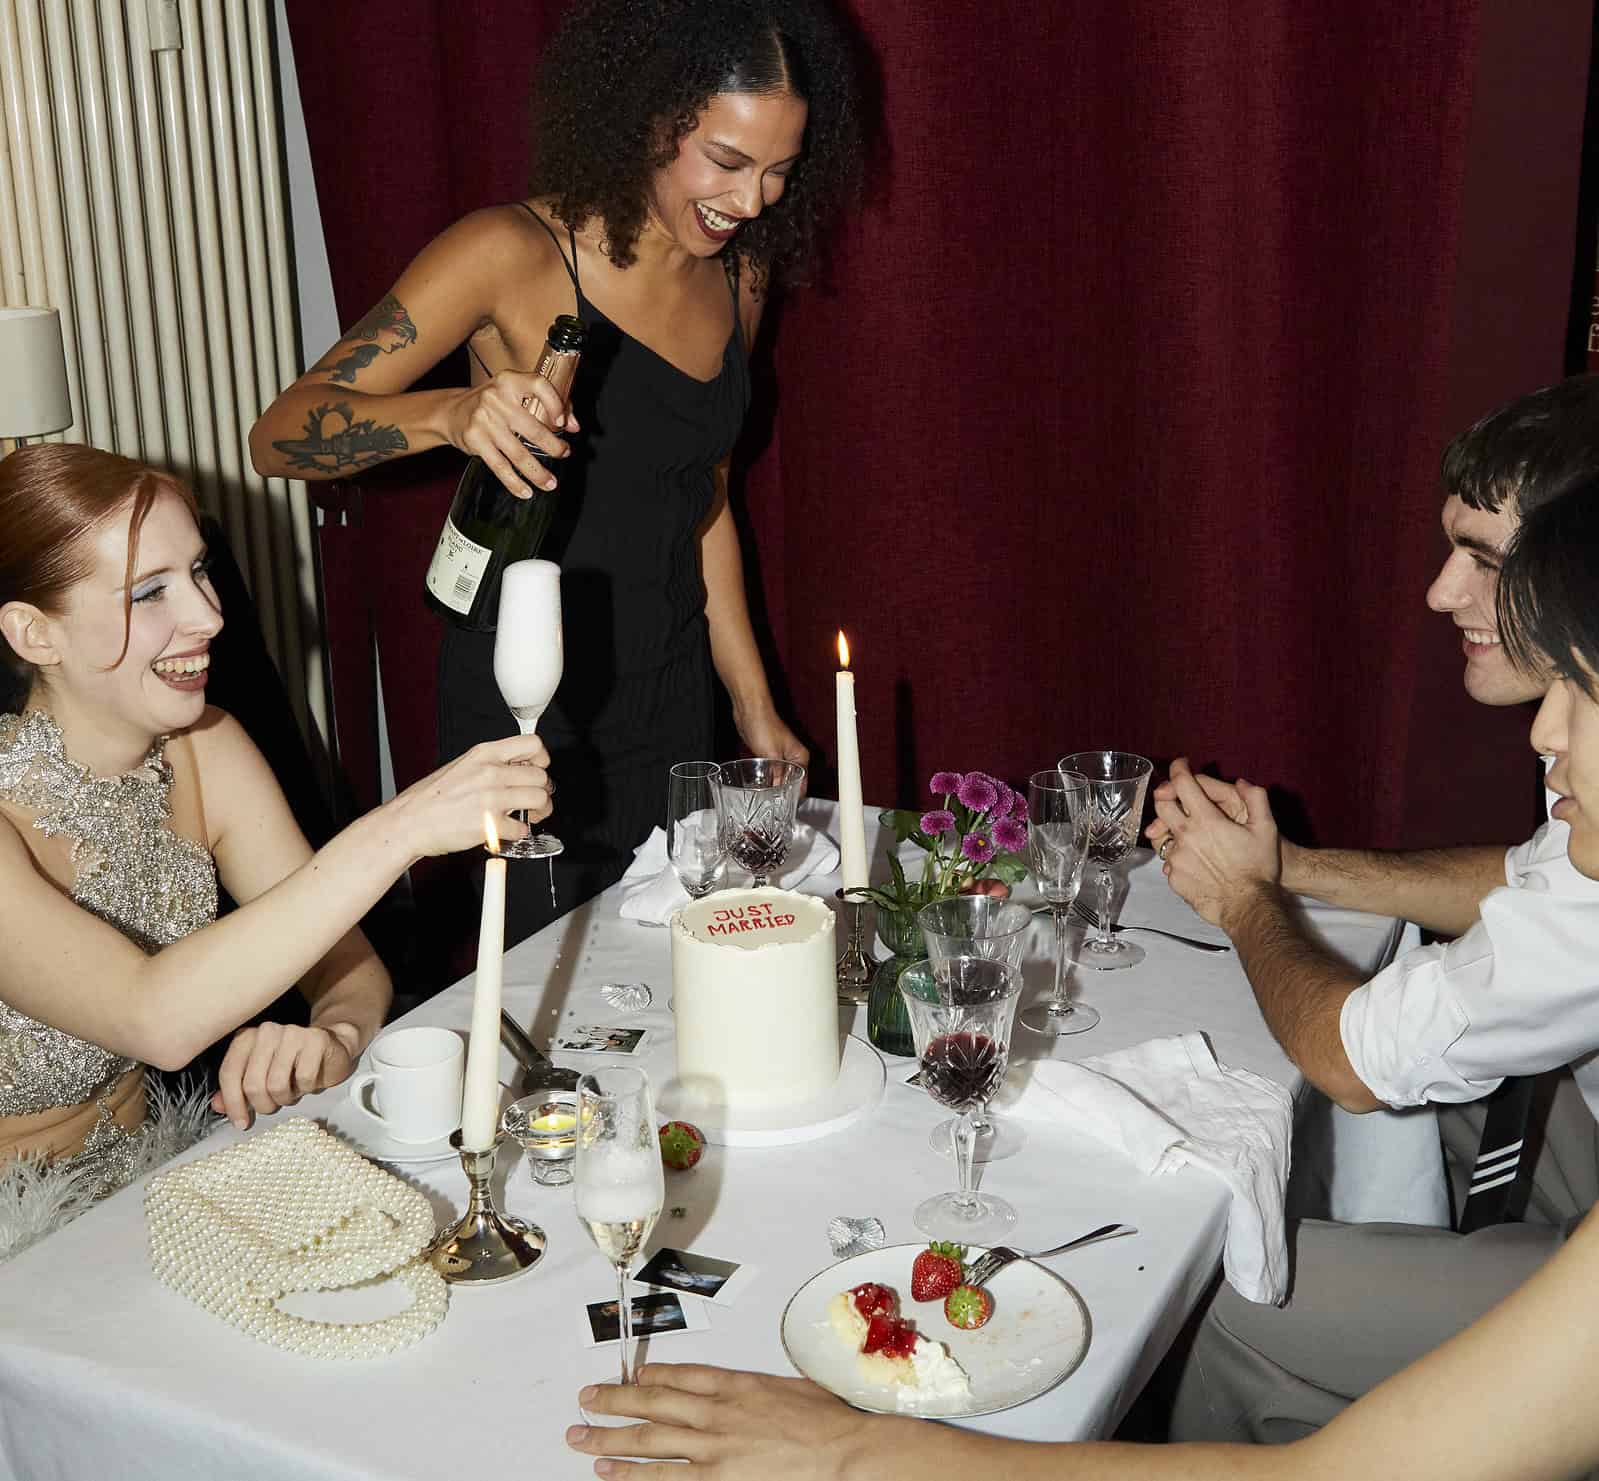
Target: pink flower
(1010,835)
(977,847)
(944,783)
(937,822)
(977,792)
(1006,797)
(1018,806)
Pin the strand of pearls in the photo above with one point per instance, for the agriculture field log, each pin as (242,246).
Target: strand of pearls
(294,1209)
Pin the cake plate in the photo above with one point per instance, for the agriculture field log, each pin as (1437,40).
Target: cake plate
(859,1087)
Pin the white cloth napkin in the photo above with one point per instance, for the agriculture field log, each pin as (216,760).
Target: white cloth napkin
(1168,1103)
(650,888)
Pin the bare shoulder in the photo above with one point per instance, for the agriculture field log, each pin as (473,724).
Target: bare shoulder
(228,764)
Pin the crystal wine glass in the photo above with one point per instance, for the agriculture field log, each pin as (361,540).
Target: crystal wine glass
(961,1019)
(759,796)
(618,1186)
(1117,781)
(1059,819)
(977,925)
(694,826)
(528,658)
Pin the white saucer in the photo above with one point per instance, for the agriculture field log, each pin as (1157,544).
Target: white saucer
(371,1140)
(1038,1334)
(859,1087)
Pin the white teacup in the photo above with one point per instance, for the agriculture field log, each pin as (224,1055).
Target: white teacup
(416,1083)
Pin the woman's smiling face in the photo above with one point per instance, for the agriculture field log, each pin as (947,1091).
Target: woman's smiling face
(732,165)
(1567,727)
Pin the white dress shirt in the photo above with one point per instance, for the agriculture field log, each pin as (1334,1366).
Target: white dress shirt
(1517,994)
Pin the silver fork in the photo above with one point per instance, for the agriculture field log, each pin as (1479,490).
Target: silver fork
(1087,916)
(985,1267)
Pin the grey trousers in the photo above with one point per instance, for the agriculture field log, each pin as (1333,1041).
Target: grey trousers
(1369,1299)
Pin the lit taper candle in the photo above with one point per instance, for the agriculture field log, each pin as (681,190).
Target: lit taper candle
(851,813)
(480,1095)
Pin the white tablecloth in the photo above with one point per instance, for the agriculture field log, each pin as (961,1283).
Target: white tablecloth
(105,1373)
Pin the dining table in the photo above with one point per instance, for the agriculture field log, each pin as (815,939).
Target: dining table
(105,1372)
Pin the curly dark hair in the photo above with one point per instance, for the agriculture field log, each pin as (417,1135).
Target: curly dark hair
(622,81)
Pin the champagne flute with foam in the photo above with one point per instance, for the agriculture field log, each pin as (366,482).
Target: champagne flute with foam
(528,660)
(618,1183)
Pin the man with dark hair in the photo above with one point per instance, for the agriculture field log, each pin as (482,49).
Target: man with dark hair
(1443,1024)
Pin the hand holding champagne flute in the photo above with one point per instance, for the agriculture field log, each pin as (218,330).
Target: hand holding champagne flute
(528,660)
(619,1185)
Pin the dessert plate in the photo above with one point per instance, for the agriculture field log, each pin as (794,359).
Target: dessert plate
(1037,1336)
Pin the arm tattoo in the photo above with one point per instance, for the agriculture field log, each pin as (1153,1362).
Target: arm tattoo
(354,446)
(387,327)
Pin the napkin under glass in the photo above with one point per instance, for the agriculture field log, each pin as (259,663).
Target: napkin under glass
(652,893)
(1169,1103)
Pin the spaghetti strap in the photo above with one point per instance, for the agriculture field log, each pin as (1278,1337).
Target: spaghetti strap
(569,264)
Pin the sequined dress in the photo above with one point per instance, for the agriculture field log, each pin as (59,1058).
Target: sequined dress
(131,870)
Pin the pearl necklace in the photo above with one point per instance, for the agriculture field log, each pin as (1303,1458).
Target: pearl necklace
(294,1209)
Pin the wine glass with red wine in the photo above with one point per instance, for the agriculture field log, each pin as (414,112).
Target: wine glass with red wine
(961,1020)
(759,796)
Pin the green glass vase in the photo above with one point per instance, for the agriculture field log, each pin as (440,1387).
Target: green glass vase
(888,1026)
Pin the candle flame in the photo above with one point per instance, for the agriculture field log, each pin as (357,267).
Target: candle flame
(491,835)
(843,649)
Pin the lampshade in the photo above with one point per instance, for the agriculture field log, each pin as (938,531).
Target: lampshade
(33,374)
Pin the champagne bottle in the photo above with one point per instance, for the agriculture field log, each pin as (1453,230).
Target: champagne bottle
(488,527)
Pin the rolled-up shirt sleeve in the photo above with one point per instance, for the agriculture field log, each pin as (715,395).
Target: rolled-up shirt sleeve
(1517,994)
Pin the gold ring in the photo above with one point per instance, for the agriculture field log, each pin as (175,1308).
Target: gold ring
(1165,847)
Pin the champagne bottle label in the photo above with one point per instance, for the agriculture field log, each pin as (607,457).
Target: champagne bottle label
(457,567)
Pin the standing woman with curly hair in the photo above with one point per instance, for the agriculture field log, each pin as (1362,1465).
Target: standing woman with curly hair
(688,155)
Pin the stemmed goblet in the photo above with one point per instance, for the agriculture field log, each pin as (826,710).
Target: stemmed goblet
(977,925)
(1117,781)
(528,659)
(961,1018)
(1059,819)
(617,1180)
(759,796)
(694,840)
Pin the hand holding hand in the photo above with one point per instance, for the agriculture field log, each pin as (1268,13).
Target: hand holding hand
(271,1065)
(495,421)
(1224,794)
(1223,853)
(444,812)
(727,1425)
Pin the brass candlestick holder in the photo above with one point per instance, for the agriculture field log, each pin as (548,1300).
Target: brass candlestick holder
(485,1245)
(856,962)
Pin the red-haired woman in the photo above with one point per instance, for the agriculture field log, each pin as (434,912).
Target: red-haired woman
(124,798)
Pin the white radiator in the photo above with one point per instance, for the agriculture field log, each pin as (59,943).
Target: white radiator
(142,194)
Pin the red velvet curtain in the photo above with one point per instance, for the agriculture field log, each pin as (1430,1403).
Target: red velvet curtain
(1119,420)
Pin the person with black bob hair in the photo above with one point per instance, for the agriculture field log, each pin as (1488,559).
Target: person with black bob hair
(688,157)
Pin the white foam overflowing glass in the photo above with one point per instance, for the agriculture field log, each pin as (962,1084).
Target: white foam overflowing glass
(618,1183)
(529,655)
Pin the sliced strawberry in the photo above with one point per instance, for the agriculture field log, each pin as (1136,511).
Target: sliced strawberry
(968,1307)
(872,1300)
(878,1330)
(936,1271)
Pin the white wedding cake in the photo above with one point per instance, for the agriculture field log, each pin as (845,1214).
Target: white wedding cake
(755,999)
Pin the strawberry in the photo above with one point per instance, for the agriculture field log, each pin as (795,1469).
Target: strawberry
(890,1336)
(968,1307)
(682,1145)
(872,1300)
(936,1271)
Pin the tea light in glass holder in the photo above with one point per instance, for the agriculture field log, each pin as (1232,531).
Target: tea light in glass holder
(544,1124)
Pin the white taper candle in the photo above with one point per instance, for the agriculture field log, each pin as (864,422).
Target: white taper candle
(480,1096)
(851,812)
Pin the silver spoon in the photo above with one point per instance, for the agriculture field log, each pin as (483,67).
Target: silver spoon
(985,1267)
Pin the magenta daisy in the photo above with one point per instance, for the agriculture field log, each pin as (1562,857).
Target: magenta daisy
(978,847)
(1010,835)
(1003,801)
(937,822)
(977,792)
(944,783)
(1018,806)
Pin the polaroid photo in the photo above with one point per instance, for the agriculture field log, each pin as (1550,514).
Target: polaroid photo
(658,1314)
(721,1281)
(596,1039)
